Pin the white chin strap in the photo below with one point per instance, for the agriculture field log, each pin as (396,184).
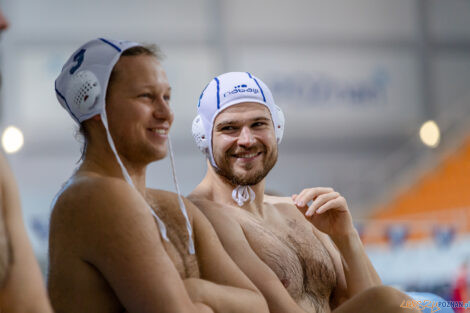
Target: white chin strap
(161,225)
(180,199)
(242,194)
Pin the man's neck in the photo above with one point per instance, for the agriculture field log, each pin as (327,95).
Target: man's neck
(103,161)
(218,189)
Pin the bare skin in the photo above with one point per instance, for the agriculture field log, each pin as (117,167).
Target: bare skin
(106,250)
(22,286)
(302,258)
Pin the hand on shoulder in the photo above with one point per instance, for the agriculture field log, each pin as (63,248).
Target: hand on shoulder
(328,210)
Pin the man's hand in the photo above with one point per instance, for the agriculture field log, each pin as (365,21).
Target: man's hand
(328,211)
(330,214)
(196,288)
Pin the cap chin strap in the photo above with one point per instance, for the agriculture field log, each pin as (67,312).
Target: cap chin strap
(161,225)
(180,199)
(242,194)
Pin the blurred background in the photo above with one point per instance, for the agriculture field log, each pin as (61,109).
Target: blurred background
(375,92)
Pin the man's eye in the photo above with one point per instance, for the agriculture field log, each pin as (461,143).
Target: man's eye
(146,95)
(167,98)
(227,128)
(258,124)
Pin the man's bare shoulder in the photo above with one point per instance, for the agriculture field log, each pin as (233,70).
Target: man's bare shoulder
(223,217)
(287,209)
(284,205)
(83,190)
(211,208)
(202,202)
(168,201)
(92,197)
(165,199)
(275,200)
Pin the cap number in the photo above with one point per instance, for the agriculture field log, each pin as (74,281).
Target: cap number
(79,59)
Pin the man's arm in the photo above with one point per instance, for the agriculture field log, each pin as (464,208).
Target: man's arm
(329,213)
(359,272)
(225,288)
(235,243)
(24,289)
(119,237)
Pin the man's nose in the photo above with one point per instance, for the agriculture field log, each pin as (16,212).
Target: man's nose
(246,137)
(163,111)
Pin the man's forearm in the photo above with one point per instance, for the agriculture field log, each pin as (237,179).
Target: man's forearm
(225,299)
(358,269)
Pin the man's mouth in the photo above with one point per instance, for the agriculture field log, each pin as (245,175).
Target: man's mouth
(250,155)
(159,131)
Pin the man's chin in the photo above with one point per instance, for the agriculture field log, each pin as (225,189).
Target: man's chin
(157,155)
(243,172)
(247,178)
(160,156)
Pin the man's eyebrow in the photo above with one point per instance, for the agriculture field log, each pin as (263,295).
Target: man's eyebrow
(232,122)
(152,86)
(226,122)
(262,118)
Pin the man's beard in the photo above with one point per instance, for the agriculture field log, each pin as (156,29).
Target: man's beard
(245,179)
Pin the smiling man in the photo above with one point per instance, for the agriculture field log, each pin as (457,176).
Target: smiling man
(302,258)
(116,245)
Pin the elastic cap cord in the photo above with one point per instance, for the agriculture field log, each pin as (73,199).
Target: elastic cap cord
(180,199)
(161,225)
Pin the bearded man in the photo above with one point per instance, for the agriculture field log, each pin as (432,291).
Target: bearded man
(303,258)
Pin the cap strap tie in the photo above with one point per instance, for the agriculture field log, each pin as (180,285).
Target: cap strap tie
(242,194)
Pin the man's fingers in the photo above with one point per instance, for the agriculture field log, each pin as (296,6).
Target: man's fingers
(320,201)
(309,194)
(302,208)
(338,203)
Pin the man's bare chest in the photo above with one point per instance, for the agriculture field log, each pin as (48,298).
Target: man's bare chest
(294,253)
(177,246)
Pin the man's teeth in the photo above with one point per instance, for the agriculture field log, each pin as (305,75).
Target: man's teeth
(160,131)
(247,156)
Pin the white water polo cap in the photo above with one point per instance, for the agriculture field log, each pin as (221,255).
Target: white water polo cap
(81,90)
(82,84)
(224,91)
